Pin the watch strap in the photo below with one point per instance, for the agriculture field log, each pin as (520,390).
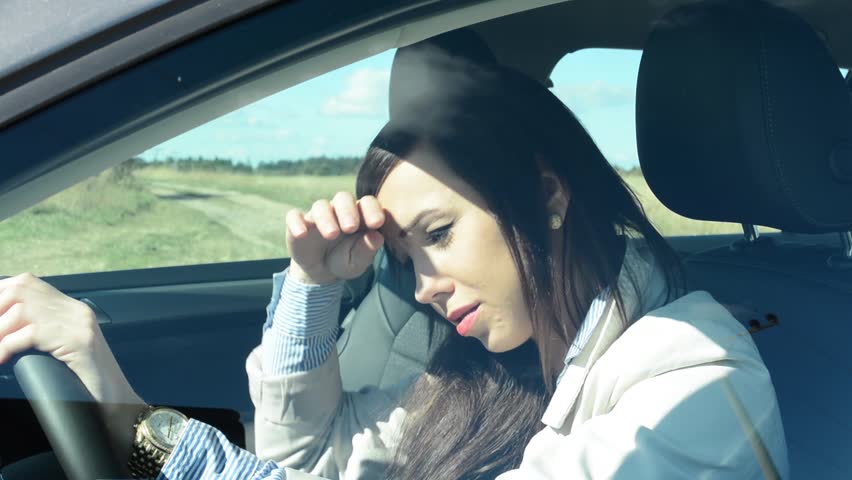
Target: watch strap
(146,459)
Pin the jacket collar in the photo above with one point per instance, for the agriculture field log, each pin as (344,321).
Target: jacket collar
(638,269)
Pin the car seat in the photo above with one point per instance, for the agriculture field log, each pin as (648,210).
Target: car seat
(742,116)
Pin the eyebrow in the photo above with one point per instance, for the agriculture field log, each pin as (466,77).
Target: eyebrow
(404,231)
(417,219)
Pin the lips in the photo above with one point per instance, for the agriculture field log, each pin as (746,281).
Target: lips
(464,318)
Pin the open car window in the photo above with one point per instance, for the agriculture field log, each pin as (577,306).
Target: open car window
(217,193)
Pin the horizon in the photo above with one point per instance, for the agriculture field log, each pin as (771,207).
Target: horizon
(337,114)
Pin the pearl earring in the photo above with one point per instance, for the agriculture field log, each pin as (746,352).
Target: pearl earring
(555,222)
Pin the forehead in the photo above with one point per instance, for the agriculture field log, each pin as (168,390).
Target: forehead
(420,182)
(423,173)
(421,179)
(416,183)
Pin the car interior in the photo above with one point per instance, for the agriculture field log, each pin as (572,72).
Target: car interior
(742,116)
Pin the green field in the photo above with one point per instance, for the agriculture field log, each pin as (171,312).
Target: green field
(162,217)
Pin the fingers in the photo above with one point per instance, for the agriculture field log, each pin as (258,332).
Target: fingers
(12,320)
(365,248)
(17,289)
(342,215)
(344,207)
(16,329)
(322,214)
(16,342)
(372,212)
(296,223)
(373,240)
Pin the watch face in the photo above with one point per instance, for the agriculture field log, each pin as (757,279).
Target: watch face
(166,427)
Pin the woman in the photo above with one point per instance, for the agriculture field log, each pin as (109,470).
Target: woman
(574,357)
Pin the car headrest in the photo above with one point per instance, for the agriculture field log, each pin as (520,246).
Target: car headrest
(422,67)
(743,116)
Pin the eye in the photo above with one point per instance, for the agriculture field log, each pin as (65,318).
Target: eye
(440,236)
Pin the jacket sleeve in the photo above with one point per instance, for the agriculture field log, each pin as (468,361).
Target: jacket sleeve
(310,437)
(204,453)
(305,421)
(685,423)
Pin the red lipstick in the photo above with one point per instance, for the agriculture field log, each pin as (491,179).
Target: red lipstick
(464,318)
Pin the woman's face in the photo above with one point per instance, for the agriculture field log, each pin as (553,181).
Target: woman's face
(463,265)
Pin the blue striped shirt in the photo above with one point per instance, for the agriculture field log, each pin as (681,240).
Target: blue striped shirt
(301,325)
(299,334)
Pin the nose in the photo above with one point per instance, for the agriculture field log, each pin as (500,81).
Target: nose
(430,287)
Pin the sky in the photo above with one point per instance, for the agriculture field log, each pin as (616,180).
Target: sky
(339,113)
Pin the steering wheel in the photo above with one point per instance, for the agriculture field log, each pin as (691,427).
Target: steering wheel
(70,418)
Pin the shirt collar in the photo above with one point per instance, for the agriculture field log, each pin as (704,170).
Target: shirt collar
(605,324)
(593,317)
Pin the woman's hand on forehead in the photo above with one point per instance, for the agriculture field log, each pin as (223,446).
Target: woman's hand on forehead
(334,240)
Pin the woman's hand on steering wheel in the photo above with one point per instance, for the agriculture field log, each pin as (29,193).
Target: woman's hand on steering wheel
(34,315)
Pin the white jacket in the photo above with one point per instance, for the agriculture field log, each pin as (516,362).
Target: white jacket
(682,393)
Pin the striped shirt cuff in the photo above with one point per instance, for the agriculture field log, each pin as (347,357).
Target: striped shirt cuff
(204,453)
(301,327)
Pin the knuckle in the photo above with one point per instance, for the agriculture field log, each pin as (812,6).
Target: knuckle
(14,291)
(293,214)
(85,313)
(16,311)
(343,197)
(25,279)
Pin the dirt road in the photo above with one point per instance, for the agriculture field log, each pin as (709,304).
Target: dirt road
(250,217)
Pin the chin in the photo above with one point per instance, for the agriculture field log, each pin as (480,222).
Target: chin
(500,344)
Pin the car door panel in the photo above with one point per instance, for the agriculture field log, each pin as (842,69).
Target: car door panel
(180,344)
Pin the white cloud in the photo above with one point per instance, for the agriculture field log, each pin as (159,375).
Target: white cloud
(365,94)
(595,95)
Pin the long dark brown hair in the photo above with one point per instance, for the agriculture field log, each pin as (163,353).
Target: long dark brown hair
(473,413)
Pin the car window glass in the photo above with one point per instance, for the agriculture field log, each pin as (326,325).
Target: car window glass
(599,85)
(217,193)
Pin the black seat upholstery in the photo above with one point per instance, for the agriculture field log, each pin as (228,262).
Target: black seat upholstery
(387,337)
(742,116)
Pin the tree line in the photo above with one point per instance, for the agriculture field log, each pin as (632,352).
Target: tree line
(322,166)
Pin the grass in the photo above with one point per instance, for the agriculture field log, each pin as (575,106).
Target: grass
(669,223)
(300,191)
(102,225)
(115,222)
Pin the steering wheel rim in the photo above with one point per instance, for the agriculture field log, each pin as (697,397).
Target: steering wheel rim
(70,418)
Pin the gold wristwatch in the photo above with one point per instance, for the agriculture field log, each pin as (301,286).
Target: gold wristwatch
(158,430)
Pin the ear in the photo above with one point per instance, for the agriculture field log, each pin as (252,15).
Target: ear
(556,193)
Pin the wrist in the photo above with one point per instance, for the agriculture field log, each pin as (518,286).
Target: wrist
(296,272)
(121,420)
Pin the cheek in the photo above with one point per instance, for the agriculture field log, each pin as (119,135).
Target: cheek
(481,251)
(480,259)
